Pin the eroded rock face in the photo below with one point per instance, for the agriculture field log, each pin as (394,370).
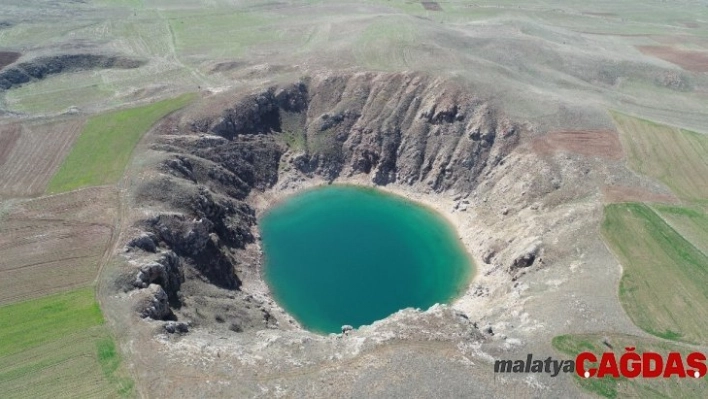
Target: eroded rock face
(403,128)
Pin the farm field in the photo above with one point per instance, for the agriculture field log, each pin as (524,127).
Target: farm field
(31,323)
(689,60)
(609,387)
(603,144)
(676,157)
(57,346)
(31,152)
(664,275)
(106,143)
(691,223)
(51,244)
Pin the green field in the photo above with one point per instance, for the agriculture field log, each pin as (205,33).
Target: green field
(676,157)
(57,346)
(27,324)
(104,147)
(664,285)
(610,387)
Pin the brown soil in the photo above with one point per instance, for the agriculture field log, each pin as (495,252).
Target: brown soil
(7,58)
(431,5)
(590,143)
(635,194)
(8,138)
(689,60)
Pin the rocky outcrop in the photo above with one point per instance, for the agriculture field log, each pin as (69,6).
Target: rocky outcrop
(165,272)
(526,256)
(176,327)
(144,241)
(152,303)
(41,67)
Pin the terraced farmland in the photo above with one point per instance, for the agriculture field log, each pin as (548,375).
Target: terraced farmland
(691,223)
(55,243)
(31,153)
(57,346)
(676,157)
(665,278)
(106,143)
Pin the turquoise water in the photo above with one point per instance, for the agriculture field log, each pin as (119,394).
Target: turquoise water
(348,255)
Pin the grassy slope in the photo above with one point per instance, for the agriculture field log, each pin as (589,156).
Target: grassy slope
(57,346)
(237,31)
(664,286)
(101,153)
(609,387)
(387,45)
(676,157)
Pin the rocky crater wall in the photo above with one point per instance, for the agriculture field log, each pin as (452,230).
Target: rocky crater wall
(192,253)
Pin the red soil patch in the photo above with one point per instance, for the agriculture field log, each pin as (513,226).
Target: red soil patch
(8,138)
(681,40)
(590,143)
(7,58)
(635,194)
(431,5)
(689,60)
